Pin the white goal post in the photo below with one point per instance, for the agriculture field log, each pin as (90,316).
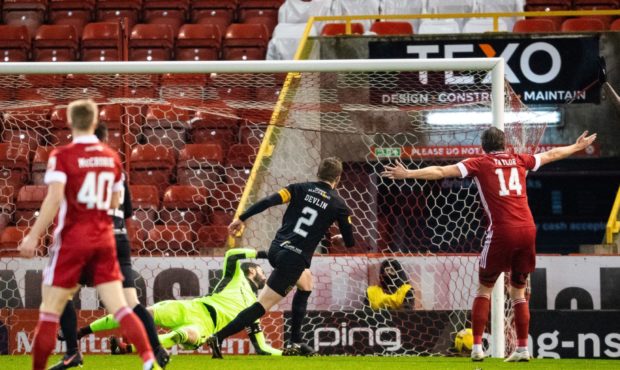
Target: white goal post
(495,67)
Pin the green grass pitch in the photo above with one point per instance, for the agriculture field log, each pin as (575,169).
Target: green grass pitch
(323,363)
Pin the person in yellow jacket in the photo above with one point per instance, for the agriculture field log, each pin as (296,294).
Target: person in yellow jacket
(394,291)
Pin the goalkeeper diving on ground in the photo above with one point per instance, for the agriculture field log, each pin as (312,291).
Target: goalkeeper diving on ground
(191,322)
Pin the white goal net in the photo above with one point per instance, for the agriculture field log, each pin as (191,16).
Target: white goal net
(201,141)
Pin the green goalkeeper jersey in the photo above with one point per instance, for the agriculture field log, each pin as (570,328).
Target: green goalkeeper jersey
(234,292)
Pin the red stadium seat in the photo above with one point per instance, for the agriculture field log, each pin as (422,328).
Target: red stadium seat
(102,42)
(29,199)
(55,43)
(184,205)
(270,21)
(253,8)
(14,164)
(213,129)
(210,8)
(151,42)
(583,25)
(392,28)
(166,125)
(534,25)
(39,164)
(339,29)
(245,42)
(145,203)
(198,42)
(137,235)
(14,43)
(29,13)
(151,165)
(110,114)
(71,12)
(214,236)
(171,240)
(170,12)
(60,132)
(200,165)
(241,155)
(217,18)
(10,239)
(615,26)
(225,197)
(115,10)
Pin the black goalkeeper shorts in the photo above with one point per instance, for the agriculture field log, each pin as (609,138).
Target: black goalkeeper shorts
(123,254)
(287,269)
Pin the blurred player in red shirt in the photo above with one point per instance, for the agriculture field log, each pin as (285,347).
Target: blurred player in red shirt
(84,182)
(510,243)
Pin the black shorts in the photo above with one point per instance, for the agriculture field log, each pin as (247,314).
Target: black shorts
(287,269)
(123,254)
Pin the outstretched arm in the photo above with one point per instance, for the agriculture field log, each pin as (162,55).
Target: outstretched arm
(399,171)
(281,197)
(233,256)
(557,154)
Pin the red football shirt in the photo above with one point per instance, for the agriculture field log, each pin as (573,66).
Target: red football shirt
(91,172)
(500,178)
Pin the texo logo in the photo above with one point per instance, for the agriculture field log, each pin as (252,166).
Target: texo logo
(466,50)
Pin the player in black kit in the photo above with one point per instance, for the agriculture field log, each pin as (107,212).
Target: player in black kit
(68,319)
(313,208)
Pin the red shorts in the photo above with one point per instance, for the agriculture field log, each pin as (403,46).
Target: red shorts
(67,265)
(509,249)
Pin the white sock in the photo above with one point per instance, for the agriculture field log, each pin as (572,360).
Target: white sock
(476,348)
(147,365)
(521,349)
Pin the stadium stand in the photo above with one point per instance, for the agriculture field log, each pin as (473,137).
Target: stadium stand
(29,13)
(102,42)
(534,25)
(56,43)
(14,43)
(245,42)
(115,10)
(184,205)
(480,25)
(39,164)
(583,25)
(392,28)
(152,165)
(9,239)
(15,163)
(198,42)
(29,199)
(339,29)
(150,42)
(200,165)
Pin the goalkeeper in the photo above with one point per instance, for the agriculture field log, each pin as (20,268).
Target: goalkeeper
(191,322)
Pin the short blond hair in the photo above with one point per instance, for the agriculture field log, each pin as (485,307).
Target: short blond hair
(82,114)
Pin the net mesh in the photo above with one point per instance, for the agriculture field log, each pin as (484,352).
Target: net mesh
(188,144)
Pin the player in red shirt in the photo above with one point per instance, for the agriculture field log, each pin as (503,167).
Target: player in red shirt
(511,237)
(84,182)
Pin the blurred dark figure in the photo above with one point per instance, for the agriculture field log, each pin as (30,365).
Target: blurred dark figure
(394,291)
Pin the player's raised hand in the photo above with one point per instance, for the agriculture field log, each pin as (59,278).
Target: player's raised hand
(28,247)
(236,227)
(584,140)
(397,171)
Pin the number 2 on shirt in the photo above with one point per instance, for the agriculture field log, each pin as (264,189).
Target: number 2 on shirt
(96,190)
(308,221)
(513,182)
